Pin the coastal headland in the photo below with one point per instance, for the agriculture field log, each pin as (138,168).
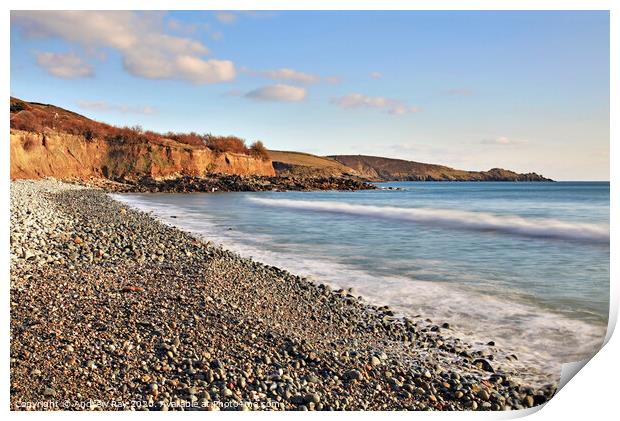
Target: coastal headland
(49,141)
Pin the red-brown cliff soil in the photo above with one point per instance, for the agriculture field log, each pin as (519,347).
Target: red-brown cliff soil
(49,141)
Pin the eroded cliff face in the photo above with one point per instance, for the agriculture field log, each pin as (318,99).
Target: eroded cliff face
(35,155)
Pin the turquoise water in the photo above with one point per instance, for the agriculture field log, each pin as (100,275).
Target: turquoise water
(523,264)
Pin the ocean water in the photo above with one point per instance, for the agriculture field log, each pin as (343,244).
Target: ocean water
(523,264)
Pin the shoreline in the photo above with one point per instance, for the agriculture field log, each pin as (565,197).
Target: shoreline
(222,183)
(136,310)
(476,316)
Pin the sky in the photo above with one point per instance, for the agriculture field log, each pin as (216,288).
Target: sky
(526,91)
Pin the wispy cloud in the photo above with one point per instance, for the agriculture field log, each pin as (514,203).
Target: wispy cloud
(389,105)
(459,92)
(282,93)
(292,76)
(333,80)
(125,109)
(503,141)
(216,35)
(260,14)
(66,66)
(376,75)
(226,17)
(147,50)
(285,74)
(185,28)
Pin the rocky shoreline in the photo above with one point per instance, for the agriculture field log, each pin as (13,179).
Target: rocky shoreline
(111,309)
(228,183)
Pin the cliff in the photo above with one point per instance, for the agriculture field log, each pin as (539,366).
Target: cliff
(61,155)
(387,169)
(47,140)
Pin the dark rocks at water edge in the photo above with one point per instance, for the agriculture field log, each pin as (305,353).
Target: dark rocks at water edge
(233,183)
(111,309)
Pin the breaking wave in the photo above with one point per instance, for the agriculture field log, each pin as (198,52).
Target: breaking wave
(447,218)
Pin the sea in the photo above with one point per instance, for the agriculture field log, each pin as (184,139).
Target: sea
(525,265)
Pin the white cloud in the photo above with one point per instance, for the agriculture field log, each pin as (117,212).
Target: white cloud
(147,51)
(376,75)
(226,17)
(285,93)
(503,141)
(391,106)
(125,109)
(286,75)
(66,66)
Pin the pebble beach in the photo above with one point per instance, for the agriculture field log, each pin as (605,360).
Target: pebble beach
(114,310)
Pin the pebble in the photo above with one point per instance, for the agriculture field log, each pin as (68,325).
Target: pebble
(312,398)
(484,395)
(49,392)
(352,375)
(484,364)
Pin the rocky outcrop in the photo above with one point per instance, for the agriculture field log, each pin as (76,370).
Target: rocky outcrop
(63,156)
(228,183)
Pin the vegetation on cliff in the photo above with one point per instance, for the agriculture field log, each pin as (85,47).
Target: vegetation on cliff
(41,118)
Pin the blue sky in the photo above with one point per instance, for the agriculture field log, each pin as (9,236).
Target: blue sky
(528,91)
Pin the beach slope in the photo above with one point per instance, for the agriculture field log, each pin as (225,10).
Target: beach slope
(111,309)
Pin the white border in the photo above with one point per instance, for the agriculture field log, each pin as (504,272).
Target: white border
(590,395)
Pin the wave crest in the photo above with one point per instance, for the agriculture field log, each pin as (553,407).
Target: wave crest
(448,218)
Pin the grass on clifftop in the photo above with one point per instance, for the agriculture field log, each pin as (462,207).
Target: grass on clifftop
(38,118)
